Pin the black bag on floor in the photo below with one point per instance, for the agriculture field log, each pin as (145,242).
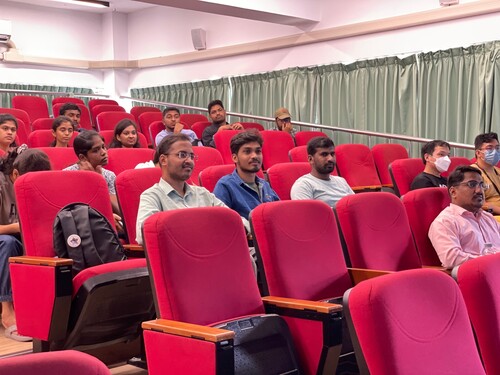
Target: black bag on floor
(83,234)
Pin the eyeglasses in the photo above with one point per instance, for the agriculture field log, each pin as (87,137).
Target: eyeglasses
(184,155)
(497,148)
(288,119)
(473,184)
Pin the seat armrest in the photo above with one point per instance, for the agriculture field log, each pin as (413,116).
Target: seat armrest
(194,331)
(299,304)
(358,189)
(439,268)
(134,250)
(41,261)
(360,274)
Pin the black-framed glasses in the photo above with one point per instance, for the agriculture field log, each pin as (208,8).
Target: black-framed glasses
(288,119)
(473,184)
(184,155)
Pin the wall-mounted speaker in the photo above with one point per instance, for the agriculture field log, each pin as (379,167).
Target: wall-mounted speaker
(199,37)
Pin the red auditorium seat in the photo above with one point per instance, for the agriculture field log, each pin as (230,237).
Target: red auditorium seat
(199,126)
(282,176)
(121,159)
(154,128)
(298,154)
(44,137)
(478,280)
(383,155)
(403,171)
(99,306)
(42,124)
(130,184)
(205,287)
(95,102)
(455,162)
(222,142)
(60,157)
(66,99)
(85,122)
(35,106)
(138,110)
(19,114)
(412,322)
(108,136)
(190,118)
(302,137)
(422,206)
(23,132)
(94,111)
(106,118)
(275,147)
(145,119)
(355,164)
(207,157)
(61,362)
(252,125)
(210,175)
(377,232)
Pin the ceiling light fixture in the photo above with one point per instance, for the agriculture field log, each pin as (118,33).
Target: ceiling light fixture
(87,3)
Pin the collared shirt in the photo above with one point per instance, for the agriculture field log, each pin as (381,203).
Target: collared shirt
(109,176)
(237,195)
(329,191)
(491,194)
(191,134)
(163,197)
(458,235)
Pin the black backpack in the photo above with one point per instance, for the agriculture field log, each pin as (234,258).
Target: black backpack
(83,234)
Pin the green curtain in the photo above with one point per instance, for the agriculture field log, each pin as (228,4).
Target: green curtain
(6,98)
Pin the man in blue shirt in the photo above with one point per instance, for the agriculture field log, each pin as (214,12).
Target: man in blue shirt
(243,190)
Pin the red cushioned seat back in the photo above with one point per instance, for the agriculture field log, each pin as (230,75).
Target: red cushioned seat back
(383,155)
(60,157)
(130,184)
(138,110)
(85,121)
(299,155)
(300,248)
(403,172)
(252,125)
(23,132)
(222,142)
(145,119)
(109,135)
(19,114)
(478,280)
(154,128)
(44,137)
(275,147)
(121,159)
(96,102)
(199,126)
(455,162)
(282,176)
(94,111)
(355,164)
(302,137)
(42,124)
(377,232)
(200,265)
(190,118)
(413,322)
(40,196)
(207,156)
(107,120)
(210,175)
(66,99)
(35,106)
(422,206)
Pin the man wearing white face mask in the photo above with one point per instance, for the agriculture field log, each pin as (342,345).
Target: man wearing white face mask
(436,158)
(487,157)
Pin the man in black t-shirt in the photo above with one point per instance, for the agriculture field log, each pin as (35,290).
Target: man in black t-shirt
(436,158)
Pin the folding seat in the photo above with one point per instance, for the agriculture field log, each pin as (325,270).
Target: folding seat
(455,162)
(60,157)
(355,164)
(154,128)
(130,184)
(199,126)
(302,137)
(222,142)
(210,175)
(19,114)
(212,318)
(94,111)
(101,305)
(23,132)
(138,110)
(190,118)
(478,280)
(85,121)
(207,157)
(144,120)
(298,154)
(66,99)
(282,176)
(44,137)
(275,147)
(376,231)
(422,206)
(403,171)
(42,124)
(108,120)
(108,136)
(412,322)
(383,155)
(120,159)
(62,362)
(95,102)
(252,125)
(35,106)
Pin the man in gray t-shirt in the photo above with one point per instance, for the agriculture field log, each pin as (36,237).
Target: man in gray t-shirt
(320,184)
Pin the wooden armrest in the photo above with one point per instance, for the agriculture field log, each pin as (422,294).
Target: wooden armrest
(195,331)
(360,274)
(388,185)
(371,187)
(133,247)
(41,261)
(299,304)
(439,268)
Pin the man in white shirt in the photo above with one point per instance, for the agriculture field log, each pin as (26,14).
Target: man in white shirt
(320,184)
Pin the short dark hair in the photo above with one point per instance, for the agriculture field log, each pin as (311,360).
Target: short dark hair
(119,128)
(214,103)
(69,107)
(168,109)
(32,160)
(484,138)
(242,138)
(4,117)
(84,141)
(458,175)
(59,120)
(167,143)
(318,142)
(429,147)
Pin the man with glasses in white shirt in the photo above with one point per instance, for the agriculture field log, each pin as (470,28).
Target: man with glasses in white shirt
(463,231)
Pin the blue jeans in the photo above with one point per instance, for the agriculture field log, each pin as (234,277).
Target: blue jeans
(9,247)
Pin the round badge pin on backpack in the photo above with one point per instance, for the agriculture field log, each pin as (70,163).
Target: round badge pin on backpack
(74,240)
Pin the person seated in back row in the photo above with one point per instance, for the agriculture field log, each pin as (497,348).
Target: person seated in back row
(171,118)
(283,120)
(217,114)
(436,158)
(125,135)
(74,112)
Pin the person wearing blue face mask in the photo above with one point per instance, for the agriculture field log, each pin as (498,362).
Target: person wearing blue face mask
(487,157)
(436,158)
